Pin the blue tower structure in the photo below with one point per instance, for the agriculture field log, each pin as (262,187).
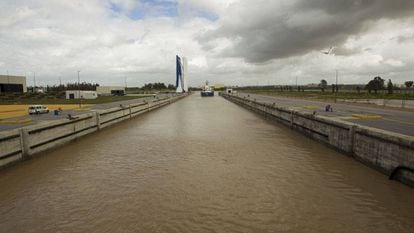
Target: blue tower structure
(181,72)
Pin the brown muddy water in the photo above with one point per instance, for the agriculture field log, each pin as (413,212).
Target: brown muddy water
(200,165)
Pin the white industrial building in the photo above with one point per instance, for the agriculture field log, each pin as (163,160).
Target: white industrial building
(10,83)
(110,90)
(185,73)
(76,94)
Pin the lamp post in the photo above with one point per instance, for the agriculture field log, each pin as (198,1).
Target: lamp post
(329,52)
(336,84)
(79,96)
(34,82)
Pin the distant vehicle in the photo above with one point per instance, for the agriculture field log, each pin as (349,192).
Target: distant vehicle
(38,109)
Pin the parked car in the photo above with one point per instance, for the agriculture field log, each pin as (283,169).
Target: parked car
(38,109)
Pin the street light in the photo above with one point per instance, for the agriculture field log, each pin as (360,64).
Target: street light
(79,96)
(34,82)
(336,80)
(329,52)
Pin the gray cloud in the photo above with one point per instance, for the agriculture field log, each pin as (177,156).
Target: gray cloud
(343,51)
(269,30)
(405,38)
(281,39)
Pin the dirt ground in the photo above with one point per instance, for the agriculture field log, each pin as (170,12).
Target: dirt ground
(8,111)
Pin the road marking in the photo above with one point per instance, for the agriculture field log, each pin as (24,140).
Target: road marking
(345,118)
(363,116)
(21,121)
(311,107)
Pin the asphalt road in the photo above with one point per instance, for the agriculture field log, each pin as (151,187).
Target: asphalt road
(398,121)
(50,116)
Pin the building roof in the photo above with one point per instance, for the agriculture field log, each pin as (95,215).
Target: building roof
(12,79)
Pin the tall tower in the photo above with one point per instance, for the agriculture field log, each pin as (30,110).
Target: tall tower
(185,74)
(181,71)
(178,82)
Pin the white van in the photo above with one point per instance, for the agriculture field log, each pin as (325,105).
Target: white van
(38,109)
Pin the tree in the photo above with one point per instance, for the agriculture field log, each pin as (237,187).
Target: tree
(409,84)
(154,86)
(376,84)
(323,84)
(390,86)
(73,86)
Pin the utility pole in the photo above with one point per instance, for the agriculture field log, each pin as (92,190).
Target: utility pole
(329,52)
(79,96)
(336,84)
(296,82)
(336,78)
(34,82)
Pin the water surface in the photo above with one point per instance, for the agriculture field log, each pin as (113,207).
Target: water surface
(200,165)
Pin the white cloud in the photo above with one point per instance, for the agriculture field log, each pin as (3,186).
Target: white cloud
(394,63)
(125,5)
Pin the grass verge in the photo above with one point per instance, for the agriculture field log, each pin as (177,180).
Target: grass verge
(330,96)
(45,101)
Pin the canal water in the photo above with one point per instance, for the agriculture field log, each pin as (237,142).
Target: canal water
(200,165)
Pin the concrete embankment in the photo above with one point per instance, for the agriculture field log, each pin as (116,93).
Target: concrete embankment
(19,144)
(389,153)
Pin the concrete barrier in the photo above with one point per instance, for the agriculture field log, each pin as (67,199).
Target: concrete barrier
(19,144)
(387,152)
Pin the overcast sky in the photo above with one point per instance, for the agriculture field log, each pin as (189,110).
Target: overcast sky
(235,42)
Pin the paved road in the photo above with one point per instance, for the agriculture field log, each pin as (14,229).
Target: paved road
(50,116)
(398,121)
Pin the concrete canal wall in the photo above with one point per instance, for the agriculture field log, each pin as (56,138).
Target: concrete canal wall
(22,143)
(389,153)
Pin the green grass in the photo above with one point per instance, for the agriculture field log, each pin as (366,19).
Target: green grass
(137,89)
(99,100)
(329,95)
